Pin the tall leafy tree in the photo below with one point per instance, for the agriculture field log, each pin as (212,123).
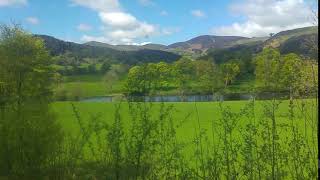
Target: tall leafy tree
(29,134)
(165,74)
(106,66)
(267,69)
(290,71)
(183,71)
(207,75)
(229,71)
(136,81)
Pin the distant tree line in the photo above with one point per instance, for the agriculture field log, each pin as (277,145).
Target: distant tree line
(209,75)
(182,75)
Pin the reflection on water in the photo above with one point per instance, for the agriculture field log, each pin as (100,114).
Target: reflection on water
(98,99)
(191,98)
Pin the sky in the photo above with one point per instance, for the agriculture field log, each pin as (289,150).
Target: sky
(139,22)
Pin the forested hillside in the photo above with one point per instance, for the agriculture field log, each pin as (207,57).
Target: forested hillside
(81,51)
(219,48)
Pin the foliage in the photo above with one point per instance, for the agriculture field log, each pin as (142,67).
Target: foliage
(208,76)
(81,51)
(29,134)
(275,72)
(106,66)
(242,54)
(267,68)
(220,136)
(290,72)
(229,72)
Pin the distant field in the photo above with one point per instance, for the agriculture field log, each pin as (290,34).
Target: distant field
(87,86)
(92,85)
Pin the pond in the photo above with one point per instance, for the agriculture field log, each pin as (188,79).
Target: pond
(190,98)
(98,99)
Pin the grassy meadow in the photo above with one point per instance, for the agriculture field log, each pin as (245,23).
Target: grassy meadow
(83,86)
(185,116)
(92,85)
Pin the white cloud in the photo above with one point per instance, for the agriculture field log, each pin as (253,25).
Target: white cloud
(119,27)
(119,20)
(13,2)
(164,13)
(267,16)
(84,27)
(198,13)
(33,20)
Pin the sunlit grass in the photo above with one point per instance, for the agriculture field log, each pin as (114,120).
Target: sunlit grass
(184,113)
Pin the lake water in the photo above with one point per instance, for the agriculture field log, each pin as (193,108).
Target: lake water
(98,99)
(188,98)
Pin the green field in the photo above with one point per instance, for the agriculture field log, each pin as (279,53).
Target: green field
(183,113)
(84,86)
(92,85)
(192,121)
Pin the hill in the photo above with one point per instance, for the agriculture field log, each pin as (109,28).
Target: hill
(59,47)
(193,47)
(281,37)
(203,43)
(292,41)
(127,47)
(219,48)
(303,45)
(299,41)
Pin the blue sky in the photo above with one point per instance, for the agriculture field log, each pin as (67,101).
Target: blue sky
(156,21)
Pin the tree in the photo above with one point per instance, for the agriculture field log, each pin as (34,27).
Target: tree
(242,54)
(106,66)
(29,134)
(276,72)
(151,78)
(148,78)
(207,76)
(309,76)
(67,59)
(183,70)
(290,71)
(267,69)
(26,65)
(164,75)
(136,81)
(92,68)
(229,72)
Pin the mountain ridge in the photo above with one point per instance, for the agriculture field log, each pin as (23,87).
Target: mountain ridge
(58,47)
(286,41)
(151,46)
(202,43)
